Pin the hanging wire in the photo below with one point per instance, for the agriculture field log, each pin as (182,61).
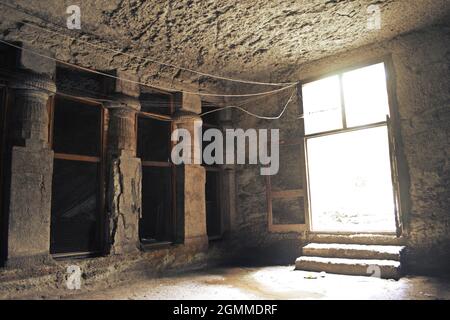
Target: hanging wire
(286,84)
(254,114)
(157,116)
(142,83)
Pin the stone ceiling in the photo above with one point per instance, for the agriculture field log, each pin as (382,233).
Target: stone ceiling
(244,38)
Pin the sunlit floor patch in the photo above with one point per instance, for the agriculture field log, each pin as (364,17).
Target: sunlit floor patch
(274,283)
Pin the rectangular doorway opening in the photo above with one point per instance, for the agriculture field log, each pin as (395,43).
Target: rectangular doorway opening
(158,222)
(77,193)
(212,203)
(349,153)
(213,190)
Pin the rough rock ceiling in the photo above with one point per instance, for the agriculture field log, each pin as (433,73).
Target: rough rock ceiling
(249,38)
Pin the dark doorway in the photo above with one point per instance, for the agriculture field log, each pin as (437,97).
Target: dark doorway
(212,199)
(158,223)
(77,195)
(213,178)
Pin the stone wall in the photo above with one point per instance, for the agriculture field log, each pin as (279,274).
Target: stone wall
(421,61)
(28,209)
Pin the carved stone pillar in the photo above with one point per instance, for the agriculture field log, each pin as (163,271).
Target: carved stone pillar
(125,178)
(229,181)
(191,178)
(31,173)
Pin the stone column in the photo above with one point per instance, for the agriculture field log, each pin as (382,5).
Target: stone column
(191,178)
(31,173)
(125,177)
(229,181)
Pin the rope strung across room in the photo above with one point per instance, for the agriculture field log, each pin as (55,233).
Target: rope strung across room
(155,116)
(286,84)
(142,83)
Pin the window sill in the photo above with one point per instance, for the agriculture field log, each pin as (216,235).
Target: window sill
(215,238)
(155,245)
(76,255)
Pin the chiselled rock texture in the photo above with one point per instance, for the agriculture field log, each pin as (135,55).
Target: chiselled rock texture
(125,180)
(192,177)
(252,39)
(265,41)
(421,61)
(30,205)
(125,202)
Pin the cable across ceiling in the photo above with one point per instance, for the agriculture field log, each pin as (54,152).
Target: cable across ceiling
(257,95)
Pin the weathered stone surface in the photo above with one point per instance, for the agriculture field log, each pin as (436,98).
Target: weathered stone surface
(366,239)
(34,116)
(31,61)
(194,205)
(100,272)
(127,84)
(358,267)
(125,204)
(420,73)
(122,130)
(30,205)
(31,174)
(125,180)
(281,41)
(191,103)
(353,251)
(187,120)
(254,40)
(192,177)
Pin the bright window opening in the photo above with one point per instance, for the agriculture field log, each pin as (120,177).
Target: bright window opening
(365,95)
(322,105)
(348,153)
(350,182)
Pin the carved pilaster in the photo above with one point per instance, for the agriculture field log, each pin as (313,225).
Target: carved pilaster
(191,180)
(32,92)
(191,122)
(229,179)
(125,178)
(122,131)
(31,173)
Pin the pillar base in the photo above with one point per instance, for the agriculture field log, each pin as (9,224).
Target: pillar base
(200,243)
(28,262)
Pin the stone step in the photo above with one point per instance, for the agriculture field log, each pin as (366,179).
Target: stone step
(356,238)
(353,251)
(387,269)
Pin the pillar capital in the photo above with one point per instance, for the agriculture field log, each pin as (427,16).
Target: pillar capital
(28,82)
(191,122)
(124,187)
(122,131)
(188,102)
(123,102)
(31,164)
(183,116)
(32,91)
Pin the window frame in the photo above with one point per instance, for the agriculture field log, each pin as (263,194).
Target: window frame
(220,171)
(159,164)
(100,160)
(391,123)
(288,194)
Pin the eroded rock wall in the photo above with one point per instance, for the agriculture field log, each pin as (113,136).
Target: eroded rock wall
(421,61)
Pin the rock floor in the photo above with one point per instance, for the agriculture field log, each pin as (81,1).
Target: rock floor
(280,282)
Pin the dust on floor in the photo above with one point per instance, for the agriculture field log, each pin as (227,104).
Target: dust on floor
(280,282)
